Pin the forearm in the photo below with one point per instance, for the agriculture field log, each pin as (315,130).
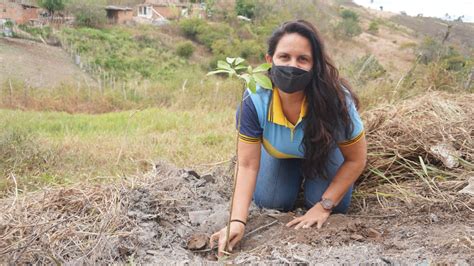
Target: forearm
(246,180)
(345,177)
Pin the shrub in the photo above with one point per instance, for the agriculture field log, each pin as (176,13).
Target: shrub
(190,26)
(245,8)
(185,49)
(87,13)
(349,26)
(429,50)
(373,27)
(208,34)
(252,49)
(364,69)
(349,14)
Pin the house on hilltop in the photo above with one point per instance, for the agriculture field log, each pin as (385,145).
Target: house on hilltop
(119,14)
(160,11)
(19,11)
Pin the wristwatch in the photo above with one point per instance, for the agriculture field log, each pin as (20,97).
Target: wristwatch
(327,204)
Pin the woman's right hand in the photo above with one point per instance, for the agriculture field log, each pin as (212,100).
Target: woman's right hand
(236,233)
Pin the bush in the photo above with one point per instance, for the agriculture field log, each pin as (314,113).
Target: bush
(349,14)
(252,50)
(185,49)
(349,26)
(190,26)
(429,50)
(87,13)
(364,69)
(245,8)
(373,27)
(208,34)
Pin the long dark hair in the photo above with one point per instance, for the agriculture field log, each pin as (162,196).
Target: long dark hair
(327,105)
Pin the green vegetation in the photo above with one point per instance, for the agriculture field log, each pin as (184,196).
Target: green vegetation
(87,13)
(364,69)
(245,8)
(349,26)
(373,27)
(185,49)
(124,55)
(47,148)
(52,5)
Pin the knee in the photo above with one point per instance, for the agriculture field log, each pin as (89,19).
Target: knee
(276,202)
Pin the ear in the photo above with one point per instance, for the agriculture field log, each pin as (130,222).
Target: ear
(268,58)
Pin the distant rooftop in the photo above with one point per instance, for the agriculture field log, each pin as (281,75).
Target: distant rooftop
(119,8)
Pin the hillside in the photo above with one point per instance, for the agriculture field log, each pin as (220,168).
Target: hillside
(37,65)
(128,157)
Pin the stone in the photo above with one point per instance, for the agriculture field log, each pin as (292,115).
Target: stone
(197,242)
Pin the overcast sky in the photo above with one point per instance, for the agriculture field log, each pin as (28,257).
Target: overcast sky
(429,8)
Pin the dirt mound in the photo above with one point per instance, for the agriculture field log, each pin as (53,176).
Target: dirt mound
(402,212)
(38,65)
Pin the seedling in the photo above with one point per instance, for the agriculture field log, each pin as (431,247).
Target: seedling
(237,67)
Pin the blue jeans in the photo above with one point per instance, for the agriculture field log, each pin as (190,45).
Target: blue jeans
(279,182)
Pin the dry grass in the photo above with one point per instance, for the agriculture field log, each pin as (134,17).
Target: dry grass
(418,145)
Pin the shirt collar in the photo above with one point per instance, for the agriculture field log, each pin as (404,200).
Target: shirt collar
(276,115)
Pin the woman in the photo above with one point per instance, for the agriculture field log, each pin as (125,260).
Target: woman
(310,131)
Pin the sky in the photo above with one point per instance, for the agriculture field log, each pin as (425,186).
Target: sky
(429,8)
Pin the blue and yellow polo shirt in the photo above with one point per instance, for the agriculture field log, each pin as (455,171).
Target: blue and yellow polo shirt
(263,121)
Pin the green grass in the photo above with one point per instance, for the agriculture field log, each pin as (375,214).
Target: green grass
(74,147)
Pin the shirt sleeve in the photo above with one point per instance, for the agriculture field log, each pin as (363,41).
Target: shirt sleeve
(250,129)
(342,138)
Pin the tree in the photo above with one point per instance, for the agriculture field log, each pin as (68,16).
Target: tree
(88,13)
(245,8)
(52,5)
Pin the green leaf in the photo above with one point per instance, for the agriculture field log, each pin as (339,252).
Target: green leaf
(217,72)
(252,85)
(263,80)
(230,60)
(223,65)
(240,67)
(239,60)
(263,67)
(245,77)
(249,69)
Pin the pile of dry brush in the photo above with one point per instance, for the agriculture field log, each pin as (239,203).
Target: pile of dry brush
(423,143)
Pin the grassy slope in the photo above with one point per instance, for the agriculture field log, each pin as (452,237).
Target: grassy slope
(86,146)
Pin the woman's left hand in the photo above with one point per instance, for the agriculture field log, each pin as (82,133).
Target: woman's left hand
(316,215)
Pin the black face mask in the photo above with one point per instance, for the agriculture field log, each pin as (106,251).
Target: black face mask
(290,79)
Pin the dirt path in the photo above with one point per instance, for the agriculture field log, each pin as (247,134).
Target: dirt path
(37,64)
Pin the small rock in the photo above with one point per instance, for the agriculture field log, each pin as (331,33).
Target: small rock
(209,178)
(194,173)
(447,154)
(212,257)
(372,233)
(197,241)
(434,218)
(357,237)
(199,217)
(152,252)
(469,189)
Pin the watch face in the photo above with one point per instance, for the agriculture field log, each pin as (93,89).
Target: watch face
(327,204)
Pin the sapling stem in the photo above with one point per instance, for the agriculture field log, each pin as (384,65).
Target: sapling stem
(236,172)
